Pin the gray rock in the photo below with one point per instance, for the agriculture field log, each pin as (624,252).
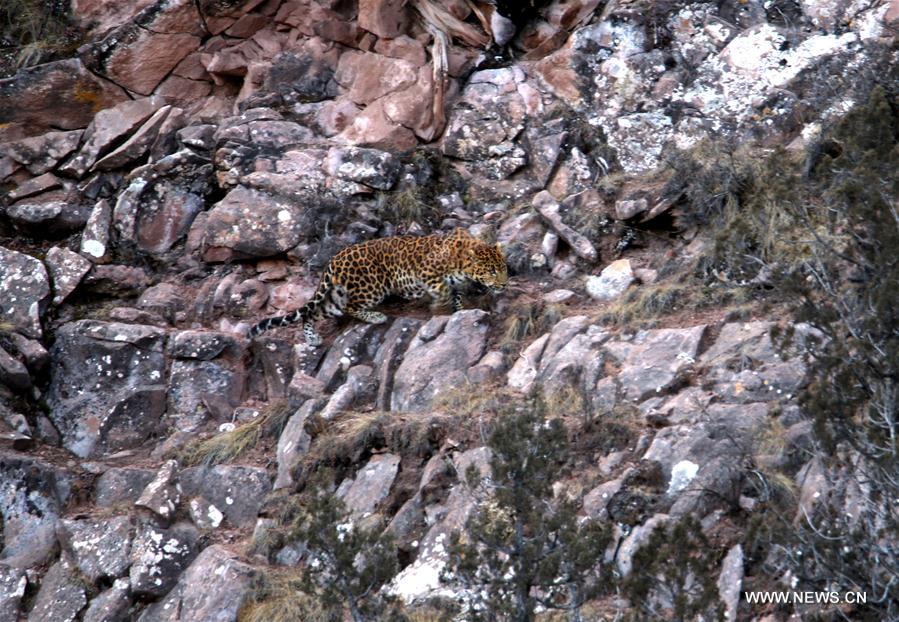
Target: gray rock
(638,537)
(50,218)
(166,211)
(67,268)
(238,491)
(41,153)
(611,282)
(654,360)
(13,373)
(358,343)
(200,390)
(162,495)
(249,223)
(730,581)
(204,514)
(24,289)
(61,597)
(200,345)
(548,208)
(12,588)
(107,388)
(292,445)
(358,384)
(158,557)
(373,168)
(95,237)
(35,355)
(35,186)
(596,502)
(372,484)
(31,500)
(437,362)
(121,485)
(212,589)
(99,548)
(111,605)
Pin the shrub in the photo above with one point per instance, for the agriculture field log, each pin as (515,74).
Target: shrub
(524,547)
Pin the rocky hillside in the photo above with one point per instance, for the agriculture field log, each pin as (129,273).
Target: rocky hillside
(657,173)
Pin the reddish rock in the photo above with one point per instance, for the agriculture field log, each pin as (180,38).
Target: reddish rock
(370,76)
(102,15)
(107,128)
(415,107)
(166,217)
(59,95)
(67,268)
(219,15)
(141,53)
(405,48)
(247,26)
(372,128)
(385,18)
(137,145)
(35,186)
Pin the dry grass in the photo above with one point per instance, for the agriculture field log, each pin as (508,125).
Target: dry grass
(524,319)
(277,596)
(228,446)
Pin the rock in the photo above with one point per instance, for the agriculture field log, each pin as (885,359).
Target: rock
(390,355)
(370,76)
(548,208)
(95,237)
(13,373)
(35,186)
(61,596)
(212,589)
(596,502)
(357,385)
(237,491)
(162,495)
(121,485)
(438,358)
(628,209)
(654,360)
(385,18)
(12,589)
(638,537)
(730,581)
(136,145)
(35,355)
(140,53)
(124,366)
(524,372)
(558,296)
(611,282)
(269,226)
(164,299)
(204,514)
(117,280)
(158,557)
(31,500)
(111,605)
(107,127)
(201,345)
(24,289)
(200,390)
(67,268)
(53,96)
(421,579)
(99,548)
(50,219)
(371,485)
(373,168)
(167,211)
(40,154)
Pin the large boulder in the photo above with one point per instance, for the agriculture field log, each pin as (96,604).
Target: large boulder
(107,385)
(438,359)
(212,589)
(59,95)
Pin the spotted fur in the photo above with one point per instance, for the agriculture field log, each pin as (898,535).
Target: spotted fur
(361,276)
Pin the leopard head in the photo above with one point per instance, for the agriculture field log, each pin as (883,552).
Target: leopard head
(487,266)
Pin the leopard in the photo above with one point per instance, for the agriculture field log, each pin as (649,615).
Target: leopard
(361,276)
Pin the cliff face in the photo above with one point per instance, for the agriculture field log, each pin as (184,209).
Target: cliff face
(194,165)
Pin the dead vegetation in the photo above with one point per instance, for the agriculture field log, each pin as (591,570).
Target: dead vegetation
(228,446)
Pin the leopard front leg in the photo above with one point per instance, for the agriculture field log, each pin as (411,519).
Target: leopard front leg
(443,293)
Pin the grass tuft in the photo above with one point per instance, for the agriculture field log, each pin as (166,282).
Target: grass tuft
(228,446)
